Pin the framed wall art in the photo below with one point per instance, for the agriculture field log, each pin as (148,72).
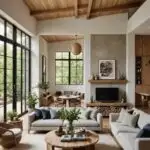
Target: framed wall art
(107,69)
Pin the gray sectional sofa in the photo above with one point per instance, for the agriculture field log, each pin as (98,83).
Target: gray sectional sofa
(126,135)
(52,124)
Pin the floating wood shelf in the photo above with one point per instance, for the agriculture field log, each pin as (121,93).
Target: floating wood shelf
(108,81)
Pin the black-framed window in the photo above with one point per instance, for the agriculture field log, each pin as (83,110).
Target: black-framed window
(15,68)
(69,68)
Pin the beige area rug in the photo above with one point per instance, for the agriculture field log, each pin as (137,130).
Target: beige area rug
(36,142)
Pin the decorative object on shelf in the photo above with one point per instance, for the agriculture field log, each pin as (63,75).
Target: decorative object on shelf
(44,86)
(97,77)
(76,47)
(12,115)
(124,98)
(122,76)
(138,69)
(70,115)
(60,131)
(91,99)
(93,77)
(107,69)
(32,101)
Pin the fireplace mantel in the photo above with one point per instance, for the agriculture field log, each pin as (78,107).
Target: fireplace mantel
(108,81)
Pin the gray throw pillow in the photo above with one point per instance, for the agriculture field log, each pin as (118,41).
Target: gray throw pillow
(93,114)
(130,119)
(121,115)
(85,113)
(54,113)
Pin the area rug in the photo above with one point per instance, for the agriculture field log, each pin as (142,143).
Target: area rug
(36,142)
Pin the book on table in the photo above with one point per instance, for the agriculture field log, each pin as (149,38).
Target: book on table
(75,137)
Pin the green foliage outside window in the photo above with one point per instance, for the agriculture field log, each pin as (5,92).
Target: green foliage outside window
(69,68)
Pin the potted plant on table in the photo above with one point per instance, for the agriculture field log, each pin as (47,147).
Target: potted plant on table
(32,101)
(70,115)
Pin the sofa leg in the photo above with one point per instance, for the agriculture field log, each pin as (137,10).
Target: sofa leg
(28,131)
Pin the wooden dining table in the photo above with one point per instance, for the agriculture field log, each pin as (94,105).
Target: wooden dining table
(67,98)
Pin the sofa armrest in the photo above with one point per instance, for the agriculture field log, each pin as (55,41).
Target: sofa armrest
(142,143)
(113,117)
(99,119)
(31,118)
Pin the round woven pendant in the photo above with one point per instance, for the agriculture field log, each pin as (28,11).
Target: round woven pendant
(76,48)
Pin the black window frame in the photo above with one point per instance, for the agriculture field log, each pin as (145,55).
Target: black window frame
(69,67)
(15,45)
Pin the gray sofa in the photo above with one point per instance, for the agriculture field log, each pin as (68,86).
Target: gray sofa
(52,124)
(126,135)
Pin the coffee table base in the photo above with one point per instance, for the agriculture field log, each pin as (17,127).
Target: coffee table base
(91,147)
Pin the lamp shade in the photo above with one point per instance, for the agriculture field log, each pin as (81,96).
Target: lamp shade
(76,48)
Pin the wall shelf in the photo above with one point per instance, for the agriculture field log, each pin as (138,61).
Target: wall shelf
(108,81)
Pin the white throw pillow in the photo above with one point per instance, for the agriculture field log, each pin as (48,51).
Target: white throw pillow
(130,119)
(121,115)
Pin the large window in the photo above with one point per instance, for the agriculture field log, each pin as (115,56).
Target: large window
(69,68)
(14,69)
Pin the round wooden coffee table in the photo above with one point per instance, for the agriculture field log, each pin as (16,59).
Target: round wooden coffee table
(52,141)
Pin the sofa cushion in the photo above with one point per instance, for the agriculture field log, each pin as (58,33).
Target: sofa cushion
(16,132)
(46,113)
(54,113)
(118,127)
(47,123)
(144,119)
(121,115)
(145,132)
(93,114)
(38,114)
(85,123)
(85,113)
(130,119)
(127,140)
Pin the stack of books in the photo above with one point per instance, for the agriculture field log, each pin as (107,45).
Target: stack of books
(75,137)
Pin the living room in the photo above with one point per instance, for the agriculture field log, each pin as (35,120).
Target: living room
(75,70)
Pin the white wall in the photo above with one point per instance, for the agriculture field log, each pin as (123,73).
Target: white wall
(141,16)
(130,67)
(113,24)
(43,48)
(52,48)
(18,13)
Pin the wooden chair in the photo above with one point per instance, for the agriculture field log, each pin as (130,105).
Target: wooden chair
(9,135)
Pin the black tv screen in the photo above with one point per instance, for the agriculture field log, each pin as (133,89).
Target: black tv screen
(107,94)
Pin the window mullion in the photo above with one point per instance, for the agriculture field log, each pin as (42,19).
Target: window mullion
(69,76)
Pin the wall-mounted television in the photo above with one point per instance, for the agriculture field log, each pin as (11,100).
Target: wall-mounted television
(107,94)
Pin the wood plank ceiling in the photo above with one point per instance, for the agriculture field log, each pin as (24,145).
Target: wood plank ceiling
(61,38)
(51,9)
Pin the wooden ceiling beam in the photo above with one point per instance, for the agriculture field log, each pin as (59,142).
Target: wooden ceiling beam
(76,8)
(85,6)
(118,7)
(89,8)
(62,10)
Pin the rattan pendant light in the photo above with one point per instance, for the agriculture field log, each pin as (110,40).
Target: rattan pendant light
(76,47)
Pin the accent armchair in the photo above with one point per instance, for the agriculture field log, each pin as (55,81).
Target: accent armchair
(9,135)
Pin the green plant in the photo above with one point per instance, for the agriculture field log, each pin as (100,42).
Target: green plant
(12,115)
(32,100)
(122,76)
(44,86)
(70,115)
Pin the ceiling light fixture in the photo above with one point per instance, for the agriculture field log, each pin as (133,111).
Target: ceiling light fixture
(76,47)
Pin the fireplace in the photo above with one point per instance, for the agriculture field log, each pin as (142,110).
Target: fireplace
(107,94)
